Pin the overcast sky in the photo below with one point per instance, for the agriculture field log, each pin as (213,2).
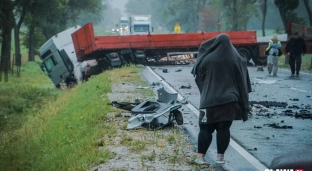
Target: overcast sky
(119,4)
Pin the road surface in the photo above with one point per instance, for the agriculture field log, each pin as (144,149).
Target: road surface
(254,137)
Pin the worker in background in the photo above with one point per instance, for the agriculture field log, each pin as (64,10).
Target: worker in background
(295,49)
(274,51)
(224,93)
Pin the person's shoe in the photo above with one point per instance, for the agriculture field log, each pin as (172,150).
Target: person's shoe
(269,73)
(220,159)
(201,160)
(297,75)
(292,75)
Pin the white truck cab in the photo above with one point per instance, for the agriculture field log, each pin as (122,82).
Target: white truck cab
(140,24)
(59,59)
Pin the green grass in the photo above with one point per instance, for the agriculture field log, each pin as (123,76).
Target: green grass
(305,66)
(24,94)
(64,133)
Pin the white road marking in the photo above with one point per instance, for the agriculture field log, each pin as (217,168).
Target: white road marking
(252,160)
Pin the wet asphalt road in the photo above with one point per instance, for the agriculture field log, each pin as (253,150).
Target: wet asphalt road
(264,143)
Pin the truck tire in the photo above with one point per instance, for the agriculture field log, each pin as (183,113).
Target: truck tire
(245,52)
(262,61)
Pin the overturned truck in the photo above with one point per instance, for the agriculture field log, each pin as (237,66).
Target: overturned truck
(66,54)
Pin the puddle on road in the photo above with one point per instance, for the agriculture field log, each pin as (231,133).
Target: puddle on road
(261,81)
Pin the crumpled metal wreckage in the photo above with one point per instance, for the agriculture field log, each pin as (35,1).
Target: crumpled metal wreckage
(153,115)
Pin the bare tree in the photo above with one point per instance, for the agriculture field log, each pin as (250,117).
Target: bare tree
(264,8)
(306,4)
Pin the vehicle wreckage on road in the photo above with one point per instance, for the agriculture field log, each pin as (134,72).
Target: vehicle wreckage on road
(153,115)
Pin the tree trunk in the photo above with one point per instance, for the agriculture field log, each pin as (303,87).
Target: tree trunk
(18,60)
(306,4)
(284,18)
(5,49)
(264,8)
(31,48)
(235,22)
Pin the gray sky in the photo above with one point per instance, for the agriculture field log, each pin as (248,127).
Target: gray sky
(119,4)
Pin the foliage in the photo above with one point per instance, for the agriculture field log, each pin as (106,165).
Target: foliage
(235,13)
(184,12)
(286,8)
(209,18)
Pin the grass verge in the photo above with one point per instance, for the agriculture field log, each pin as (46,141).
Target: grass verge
(305,66)
(62,134)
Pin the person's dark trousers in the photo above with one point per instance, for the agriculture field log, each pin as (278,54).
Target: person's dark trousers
(205,136)
(295,63)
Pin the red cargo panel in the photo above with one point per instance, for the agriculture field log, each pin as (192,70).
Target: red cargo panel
(85,42)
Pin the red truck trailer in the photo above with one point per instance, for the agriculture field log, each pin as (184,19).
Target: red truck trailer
(88,46)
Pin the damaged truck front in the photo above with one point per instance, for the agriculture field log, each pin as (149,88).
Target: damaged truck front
(60,62)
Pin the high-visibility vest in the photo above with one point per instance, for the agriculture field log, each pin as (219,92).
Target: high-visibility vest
(267,50)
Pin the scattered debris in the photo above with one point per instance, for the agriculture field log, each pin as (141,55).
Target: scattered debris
(154,84)
(260,68)
(269,103)
(125,105)
(294,99)
(294,107)
(179,70)
(305,114)
(187,93)
(165,70)
(165,97)
(186,87)
(184,101)
(154,115)
(257,127)
(282,121)
(289,113)
(277,126)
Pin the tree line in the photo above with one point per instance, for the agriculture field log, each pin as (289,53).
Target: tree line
(39,20)
(214,15)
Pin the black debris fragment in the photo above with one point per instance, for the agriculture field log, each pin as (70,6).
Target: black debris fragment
(293,107)
(165,71)
(269,103)
(124,105)
(179,70)
(186,87)
(277,126)
(305,114)
(255,149)
(294,99)
(155,84)
(289,113)
(257,127)
(282,121)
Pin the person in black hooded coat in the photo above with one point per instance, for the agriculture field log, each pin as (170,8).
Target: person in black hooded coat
(222,78)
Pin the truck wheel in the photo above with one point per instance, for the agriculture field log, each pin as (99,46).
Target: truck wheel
(245,52)
(259,60)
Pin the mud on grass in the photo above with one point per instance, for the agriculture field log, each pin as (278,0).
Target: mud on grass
(140,149)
